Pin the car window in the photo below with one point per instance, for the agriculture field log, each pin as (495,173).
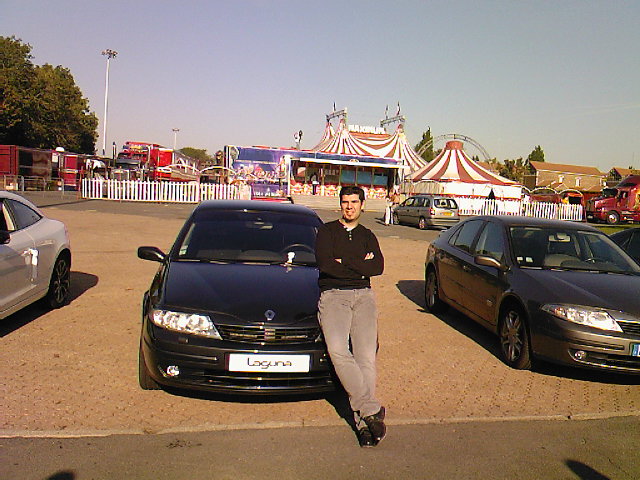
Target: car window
(491,242)
(442,203)
(23,216)
(218,235)
(409,202)
(4,216)
(426,202)
(467,234)
(634,245)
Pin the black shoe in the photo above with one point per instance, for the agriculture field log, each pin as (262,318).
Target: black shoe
(376,425)
(365,438)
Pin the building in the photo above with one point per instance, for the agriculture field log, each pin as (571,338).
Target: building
(561,177)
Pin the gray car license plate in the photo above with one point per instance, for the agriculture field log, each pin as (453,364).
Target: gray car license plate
(635,349)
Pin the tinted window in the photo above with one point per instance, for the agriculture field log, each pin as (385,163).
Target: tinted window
(3,217)
(634,245)
(491,242)
(467,234)
(249,236)
(23,215)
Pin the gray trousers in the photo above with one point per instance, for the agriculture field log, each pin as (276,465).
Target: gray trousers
(345,314)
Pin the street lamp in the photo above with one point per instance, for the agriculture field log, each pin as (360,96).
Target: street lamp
(175,136)
(109,54)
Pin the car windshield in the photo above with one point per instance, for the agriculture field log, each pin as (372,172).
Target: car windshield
(249,236)
(568,249)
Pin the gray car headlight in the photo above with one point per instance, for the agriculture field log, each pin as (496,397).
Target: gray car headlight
(185,322)
(589,316)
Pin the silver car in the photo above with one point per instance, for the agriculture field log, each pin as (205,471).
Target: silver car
(35,257)
(427,211)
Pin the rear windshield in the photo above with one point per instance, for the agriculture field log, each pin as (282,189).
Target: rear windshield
(445,203)
(248,236)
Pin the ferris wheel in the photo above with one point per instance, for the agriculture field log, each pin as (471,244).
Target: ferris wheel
(455,136)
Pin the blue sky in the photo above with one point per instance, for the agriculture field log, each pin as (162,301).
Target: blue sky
(510,74)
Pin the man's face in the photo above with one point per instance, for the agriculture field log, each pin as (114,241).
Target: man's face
(351,207)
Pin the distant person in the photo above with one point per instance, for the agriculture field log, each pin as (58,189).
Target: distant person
(314,184)
(388,211)
(348,254)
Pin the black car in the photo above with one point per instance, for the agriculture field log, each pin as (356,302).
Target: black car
(550,289)
(233,307)
(629,240)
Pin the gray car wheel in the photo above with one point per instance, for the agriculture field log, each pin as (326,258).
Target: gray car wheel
(60,283)
(432,300)
(422,223)
(514,338)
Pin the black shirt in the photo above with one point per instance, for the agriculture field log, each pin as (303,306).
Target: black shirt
(351,246)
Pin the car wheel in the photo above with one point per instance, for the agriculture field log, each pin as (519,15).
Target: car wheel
(422,223)
(59,285)
(613,218)
(144,379)
(396,220)
(431,293)
(514,339)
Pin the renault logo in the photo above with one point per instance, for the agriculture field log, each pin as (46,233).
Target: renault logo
(269,315)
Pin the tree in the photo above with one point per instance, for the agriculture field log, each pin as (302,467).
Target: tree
(200,154)
(536,155)
(514,169)
(41,106)
(427,144)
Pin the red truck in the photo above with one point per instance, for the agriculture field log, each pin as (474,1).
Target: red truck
(617,204)
(154,162)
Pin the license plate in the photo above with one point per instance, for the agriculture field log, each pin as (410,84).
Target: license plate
(251,362)
(447,214)
(635,349)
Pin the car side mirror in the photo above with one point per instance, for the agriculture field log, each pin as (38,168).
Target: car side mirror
(488,261)
(5,237)
(151,253)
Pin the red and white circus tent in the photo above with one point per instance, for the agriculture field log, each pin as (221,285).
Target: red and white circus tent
(378,144)
(452,172)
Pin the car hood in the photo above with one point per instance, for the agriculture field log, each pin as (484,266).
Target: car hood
(242,293)
(605,290)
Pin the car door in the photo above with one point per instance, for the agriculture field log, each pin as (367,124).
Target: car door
(403,209)
(486,284)
(16,267)
(453,268)
(415,209)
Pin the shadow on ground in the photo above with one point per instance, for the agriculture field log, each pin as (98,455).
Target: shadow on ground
(80,283)
(414,291)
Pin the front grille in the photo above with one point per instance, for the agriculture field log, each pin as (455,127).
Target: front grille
(632,328)
(268,381)
(264,334)
(617,361)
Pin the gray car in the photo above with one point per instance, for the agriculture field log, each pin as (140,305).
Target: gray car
(427,211)
(550,289)
(35,258)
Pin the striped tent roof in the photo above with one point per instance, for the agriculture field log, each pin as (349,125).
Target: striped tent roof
(384,145)
(454,165)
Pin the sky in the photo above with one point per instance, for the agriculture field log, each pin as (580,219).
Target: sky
(511,75)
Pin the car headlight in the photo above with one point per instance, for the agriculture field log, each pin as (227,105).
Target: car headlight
(185,322)
(589,316)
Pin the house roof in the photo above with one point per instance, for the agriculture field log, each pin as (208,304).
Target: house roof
(624,172)
(561,168)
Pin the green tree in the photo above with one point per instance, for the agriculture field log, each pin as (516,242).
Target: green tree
(427,144)
(41,106)
(536,155)
(199,154)
(514,169)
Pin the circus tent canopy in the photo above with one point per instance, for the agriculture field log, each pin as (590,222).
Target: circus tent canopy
(454,165)
(345,142)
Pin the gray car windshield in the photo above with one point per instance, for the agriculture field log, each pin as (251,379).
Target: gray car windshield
(249,236)
(569,249)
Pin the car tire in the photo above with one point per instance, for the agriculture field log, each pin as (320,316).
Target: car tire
(513,333)
(59,284)
(144,379)
(432,300)
(613,217)
(396,220)
(422,223)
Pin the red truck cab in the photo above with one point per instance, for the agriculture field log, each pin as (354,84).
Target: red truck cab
(618,204)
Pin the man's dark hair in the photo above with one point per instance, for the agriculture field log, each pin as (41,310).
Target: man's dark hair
(352,190)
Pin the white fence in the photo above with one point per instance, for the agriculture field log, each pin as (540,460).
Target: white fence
(481,206)
(147,191)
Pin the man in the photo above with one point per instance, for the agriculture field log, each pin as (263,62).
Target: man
(348,254)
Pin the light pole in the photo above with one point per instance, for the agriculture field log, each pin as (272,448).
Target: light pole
(109,54)
(175,136)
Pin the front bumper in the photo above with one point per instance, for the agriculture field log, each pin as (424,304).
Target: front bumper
(572,344)
(207,367)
